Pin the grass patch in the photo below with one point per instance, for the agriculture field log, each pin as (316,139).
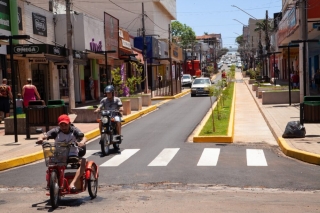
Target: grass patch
(222,125)
(19,116)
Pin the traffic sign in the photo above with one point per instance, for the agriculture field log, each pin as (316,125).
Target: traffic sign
(315,25)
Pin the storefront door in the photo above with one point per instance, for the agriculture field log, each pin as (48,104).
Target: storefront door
(41,79)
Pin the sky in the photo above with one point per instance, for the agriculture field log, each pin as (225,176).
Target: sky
(216,16)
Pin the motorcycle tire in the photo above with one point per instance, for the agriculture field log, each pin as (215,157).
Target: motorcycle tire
(54,189)
(93,183)
(104,144)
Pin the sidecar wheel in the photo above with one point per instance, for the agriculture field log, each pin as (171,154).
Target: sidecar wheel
(93,183)
(54,189)
(104,145)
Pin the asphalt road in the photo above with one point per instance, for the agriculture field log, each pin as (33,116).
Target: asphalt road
(155,150)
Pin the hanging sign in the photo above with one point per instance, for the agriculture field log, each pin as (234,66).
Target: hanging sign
(39,24)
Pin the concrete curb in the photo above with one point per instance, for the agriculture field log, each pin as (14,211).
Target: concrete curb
(26,159)
(218,138)
(172,97)
(285,148)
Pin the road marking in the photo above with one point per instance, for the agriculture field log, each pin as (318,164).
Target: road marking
(164,157)
(119,159)
(209,157)
(90,152)
(255,157)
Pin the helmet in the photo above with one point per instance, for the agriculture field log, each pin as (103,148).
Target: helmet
(109,88)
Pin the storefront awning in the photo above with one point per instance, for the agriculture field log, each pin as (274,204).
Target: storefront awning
(93,55)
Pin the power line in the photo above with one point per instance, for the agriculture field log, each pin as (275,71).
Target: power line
(123,8)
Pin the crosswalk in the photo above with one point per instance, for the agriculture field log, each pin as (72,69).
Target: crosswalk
(209,157)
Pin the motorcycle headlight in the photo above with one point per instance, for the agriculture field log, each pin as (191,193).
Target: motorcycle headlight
(104,120)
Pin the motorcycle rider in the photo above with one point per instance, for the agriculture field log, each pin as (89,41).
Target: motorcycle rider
(66,132)
(110,102)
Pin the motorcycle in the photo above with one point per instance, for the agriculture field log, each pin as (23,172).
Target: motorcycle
(108,132)
(57,159)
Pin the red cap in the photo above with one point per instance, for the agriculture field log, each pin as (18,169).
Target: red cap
(63,119)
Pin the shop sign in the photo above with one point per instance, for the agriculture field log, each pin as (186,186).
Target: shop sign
(20,18)
(120,33)
(111,26)
(55,50)
(39,24)
(5,15)
(29,49)
(38,60)
(126,44)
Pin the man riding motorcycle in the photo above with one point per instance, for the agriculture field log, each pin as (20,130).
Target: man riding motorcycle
(66,132)
(110,102)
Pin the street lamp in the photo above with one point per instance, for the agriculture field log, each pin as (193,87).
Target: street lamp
(244,11)
(13,78)
(106,63)
(240,22)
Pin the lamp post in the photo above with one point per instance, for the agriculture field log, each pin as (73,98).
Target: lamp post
(106,63)
(244,11)
(13,77)
(304,54)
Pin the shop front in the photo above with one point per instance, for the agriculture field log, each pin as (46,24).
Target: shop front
(177,60)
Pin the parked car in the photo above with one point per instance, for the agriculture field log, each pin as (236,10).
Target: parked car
(200,86)
(239,65)
(186,80)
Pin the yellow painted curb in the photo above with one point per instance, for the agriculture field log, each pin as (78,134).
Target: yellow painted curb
(219,138)
(172,97)
(298,154)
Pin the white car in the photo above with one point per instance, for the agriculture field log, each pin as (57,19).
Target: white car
(239,65)
(200,86)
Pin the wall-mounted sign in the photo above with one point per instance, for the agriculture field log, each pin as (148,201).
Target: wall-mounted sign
(39,24)
(5,15)
(29,49)
(20,18)
(38,60)
(111,26)
(55,50)
(120,33)
(126,44)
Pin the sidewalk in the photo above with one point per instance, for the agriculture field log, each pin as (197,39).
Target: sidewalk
(277,116)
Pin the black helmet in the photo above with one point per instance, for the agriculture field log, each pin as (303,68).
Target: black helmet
(109,88)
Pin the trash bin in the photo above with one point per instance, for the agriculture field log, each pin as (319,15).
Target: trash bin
(36,112)
(55,109)
(310,109)
(36,115)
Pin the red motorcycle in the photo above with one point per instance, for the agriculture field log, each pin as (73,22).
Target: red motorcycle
(57,159)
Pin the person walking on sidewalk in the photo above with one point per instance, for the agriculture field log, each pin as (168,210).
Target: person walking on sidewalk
(29,93)
(295,80)
(5,97)
(316,79)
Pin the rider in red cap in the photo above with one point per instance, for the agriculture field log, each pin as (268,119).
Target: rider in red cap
(66,132)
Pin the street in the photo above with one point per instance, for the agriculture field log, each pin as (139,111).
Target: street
(157,163)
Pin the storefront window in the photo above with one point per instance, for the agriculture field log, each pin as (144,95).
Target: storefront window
(41,79)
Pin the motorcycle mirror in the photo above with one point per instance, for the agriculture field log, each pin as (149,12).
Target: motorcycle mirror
(39,130)
(81,135)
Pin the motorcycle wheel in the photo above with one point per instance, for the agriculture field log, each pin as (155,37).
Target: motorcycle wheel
(104,144)
(93,183)
(54,189)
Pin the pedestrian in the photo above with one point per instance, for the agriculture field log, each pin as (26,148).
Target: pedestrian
(91,85)
(295,80)
(5,98)
(19,104)
(316,79)
(276,72)
(160,80)
(291,83)
(29,93)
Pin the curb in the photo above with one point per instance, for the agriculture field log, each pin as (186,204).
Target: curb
(218,138)
(285,148)
(173,97)
(26,159)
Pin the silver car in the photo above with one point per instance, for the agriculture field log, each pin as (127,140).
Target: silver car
(186,80)
(200,86)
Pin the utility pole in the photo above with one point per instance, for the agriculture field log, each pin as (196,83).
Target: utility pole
(70,57)
(170,60)
(144,51)
(304,36)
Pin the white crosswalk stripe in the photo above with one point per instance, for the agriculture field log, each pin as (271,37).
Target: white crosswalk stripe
(164,157)
(255,157)
(209,157)
(119,159)
(90,152)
